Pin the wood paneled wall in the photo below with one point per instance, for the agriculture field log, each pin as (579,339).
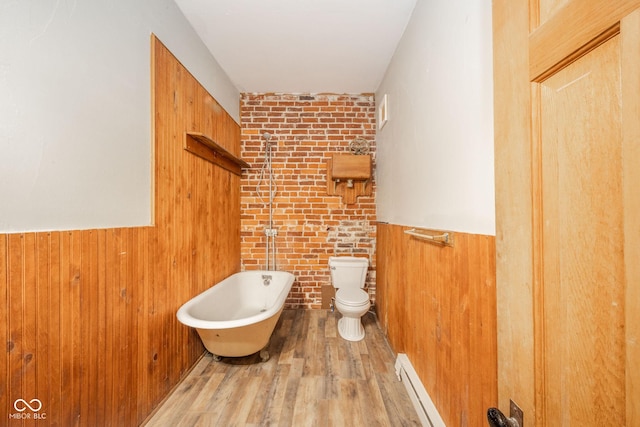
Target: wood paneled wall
(437,304)
(88,317)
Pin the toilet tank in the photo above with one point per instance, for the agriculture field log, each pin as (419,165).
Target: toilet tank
(348,272)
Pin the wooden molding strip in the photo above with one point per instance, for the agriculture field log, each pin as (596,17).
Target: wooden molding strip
(206,148)
(591,23)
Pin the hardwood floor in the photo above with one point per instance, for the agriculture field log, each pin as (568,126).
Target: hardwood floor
(313,378)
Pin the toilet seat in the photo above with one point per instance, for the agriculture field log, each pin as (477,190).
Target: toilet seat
(352,297)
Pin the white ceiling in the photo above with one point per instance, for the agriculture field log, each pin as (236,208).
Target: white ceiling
(301,46)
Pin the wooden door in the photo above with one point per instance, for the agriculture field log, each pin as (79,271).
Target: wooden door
(567,129)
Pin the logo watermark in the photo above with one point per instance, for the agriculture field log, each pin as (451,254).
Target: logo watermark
(27,410)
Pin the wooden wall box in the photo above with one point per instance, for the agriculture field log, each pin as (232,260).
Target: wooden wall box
(349,176)
(351,166)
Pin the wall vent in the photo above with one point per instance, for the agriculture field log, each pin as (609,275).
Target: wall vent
(425,408)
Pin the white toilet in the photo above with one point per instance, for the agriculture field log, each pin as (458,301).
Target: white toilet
(348,276)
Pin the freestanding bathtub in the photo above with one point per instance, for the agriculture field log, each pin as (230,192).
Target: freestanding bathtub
(236,316)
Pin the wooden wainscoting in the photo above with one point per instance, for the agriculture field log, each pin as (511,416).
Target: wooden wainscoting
(89,317)
(437,304)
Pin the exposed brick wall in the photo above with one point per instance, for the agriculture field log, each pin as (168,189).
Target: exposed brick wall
(311,225)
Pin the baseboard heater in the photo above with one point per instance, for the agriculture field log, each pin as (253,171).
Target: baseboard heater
(425,408)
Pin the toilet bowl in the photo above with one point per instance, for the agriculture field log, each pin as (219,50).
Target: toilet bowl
(352,307)
(348,276)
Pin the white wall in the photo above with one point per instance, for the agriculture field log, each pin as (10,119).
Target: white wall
(75,108)
(435,164)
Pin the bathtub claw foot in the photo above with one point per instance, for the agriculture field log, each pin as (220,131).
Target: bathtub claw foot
(216,358)
(264,355)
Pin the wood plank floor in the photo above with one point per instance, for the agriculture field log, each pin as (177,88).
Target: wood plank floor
(313,378)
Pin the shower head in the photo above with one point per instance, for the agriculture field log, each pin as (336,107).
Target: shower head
(267,139)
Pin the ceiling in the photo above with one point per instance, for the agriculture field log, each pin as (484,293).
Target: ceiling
(301,46)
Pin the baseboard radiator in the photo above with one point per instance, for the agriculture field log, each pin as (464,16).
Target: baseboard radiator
(425,408)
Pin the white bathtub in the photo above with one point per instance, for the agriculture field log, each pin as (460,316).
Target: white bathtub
(236,317)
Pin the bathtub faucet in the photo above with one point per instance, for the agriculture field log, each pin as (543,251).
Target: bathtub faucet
(266,279)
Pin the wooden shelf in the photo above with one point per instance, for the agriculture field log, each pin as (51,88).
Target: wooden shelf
(206,148)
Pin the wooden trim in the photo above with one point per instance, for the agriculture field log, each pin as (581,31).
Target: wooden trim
(514,257)
(630,159)
(206,148)
(600,39)
(537,259)
(5,336)
(152,45)
(551,49)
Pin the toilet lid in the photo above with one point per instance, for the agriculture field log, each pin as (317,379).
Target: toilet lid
(352,297)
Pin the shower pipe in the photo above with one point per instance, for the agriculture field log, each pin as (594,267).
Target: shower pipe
(269,231)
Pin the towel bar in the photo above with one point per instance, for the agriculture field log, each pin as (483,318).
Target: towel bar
(445,238)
